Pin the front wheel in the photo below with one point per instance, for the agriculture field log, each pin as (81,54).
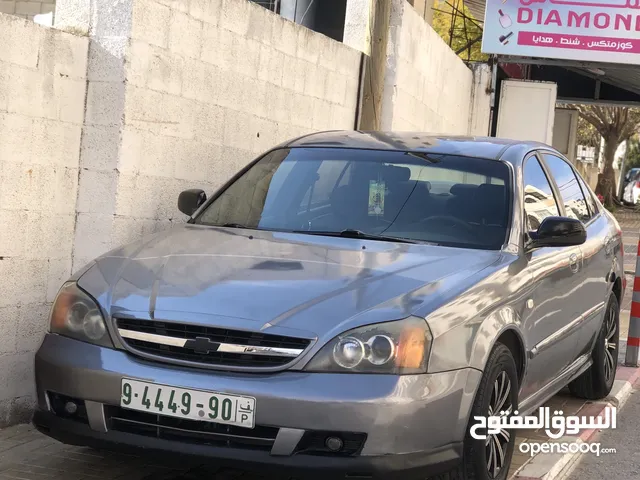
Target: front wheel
(596,383)
(490,459)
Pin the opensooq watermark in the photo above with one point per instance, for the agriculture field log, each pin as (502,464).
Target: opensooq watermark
(555,425)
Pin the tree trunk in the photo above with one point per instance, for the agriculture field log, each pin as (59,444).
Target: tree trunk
(607,179)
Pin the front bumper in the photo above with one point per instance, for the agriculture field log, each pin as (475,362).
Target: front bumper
(413,424)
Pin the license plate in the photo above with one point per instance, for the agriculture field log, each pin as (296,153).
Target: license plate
(187,403)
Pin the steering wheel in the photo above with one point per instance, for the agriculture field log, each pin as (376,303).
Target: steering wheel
(448,220)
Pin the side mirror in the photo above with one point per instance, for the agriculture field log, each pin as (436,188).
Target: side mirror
(558,232)
(190,200)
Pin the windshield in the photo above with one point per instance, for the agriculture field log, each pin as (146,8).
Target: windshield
(445,199)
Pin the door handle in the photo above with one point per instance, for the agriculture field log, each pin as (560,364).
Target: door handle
(573,262)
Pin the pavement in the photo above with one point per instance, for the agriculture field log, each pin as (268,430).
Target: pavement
(25,454)
(622,465)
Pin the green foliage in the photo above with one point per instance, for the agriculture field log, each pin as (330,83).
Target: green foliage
(465,29)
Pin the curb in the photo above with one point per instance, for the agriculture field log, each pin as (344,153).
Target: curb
(558,466)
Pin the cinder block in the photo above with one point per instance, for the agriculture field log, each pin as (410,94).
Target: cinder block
(165,72)
(231,88)
(8,6)
(100,147)
(97,191)
(150,22)
(298,70)
(59,272)
(261,23)
(133,143)
(321,115)
(27,8)
(309,44)
(18,375)
(185,35)
(211,48)
(26,281)
(47,235)
(285,35)
(16,132)
(107,59)
(143,106)
(235,16)
(20,186)
(328,54)
(192,159)
(208,11)
(105,101)
(138,61)
(222,48)
(12,239)
(64,192)
(176,5)
(315,81)
(26,92)
(271,66)
(63,54)
(69,100)
(9,325)
(248,59)
(55,143)
(209,123)
(92,238)
(279,103)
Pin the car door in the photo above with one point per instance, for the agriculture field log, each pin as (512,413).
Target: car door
(597,251)
(550,311)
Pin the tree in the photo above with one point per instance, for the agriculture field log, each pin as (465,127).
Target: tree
(615,125)
(457,27)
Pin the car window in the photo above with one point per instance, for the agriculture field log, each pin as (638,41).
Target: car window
(539,201)
(446,199)
(575,204)
(588,195)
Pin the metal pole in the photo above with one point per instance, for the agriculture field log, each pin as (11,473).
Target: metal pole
(633,339)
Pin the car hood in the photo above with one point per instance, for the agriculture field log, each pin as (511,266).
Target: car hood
(285,283)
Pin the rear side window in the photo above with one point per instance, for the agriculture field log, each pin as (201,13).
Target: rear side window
(575,204)
(539,202)
(588,195)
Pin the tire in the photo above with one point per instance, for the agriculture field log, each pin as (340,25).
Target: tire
(476,453)
(596,383)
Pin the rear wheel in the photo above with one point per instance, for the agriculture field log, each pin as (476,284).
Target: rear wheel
(498,392)
(596,383)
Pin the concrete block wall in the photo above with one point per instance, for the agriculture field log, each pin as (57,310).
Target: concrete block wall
(26,9)
(427,86)
(210,84)
(42,85)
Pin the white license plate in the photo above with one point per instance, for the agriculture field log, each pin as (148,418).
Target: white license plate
(192,404)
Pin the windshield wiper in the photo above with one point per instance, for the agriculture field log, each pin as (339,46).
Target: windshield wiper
(352,233)
(233,225)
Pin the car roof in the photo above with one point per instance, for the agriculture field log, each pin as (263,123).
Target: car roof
(482,147)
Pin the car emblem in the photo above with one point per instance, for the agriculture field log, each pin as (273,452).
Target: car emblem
(202,345)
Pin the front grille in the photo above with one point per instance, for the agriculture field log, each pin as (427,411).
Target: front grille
(190,431)
(209,345)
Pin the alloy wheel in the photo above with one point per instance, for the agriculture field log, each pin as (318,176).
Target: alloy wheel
(496,444)
(610,344)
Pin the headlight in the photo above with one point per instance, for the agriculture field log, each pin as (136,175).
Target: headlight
(75,314)
(400,347)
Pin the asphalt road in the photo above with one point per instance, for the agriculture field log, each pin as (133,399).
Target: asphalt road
(625,463)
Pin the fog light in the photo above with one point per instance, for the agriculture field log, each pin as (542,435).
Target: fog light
(333,443)
(71,408)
